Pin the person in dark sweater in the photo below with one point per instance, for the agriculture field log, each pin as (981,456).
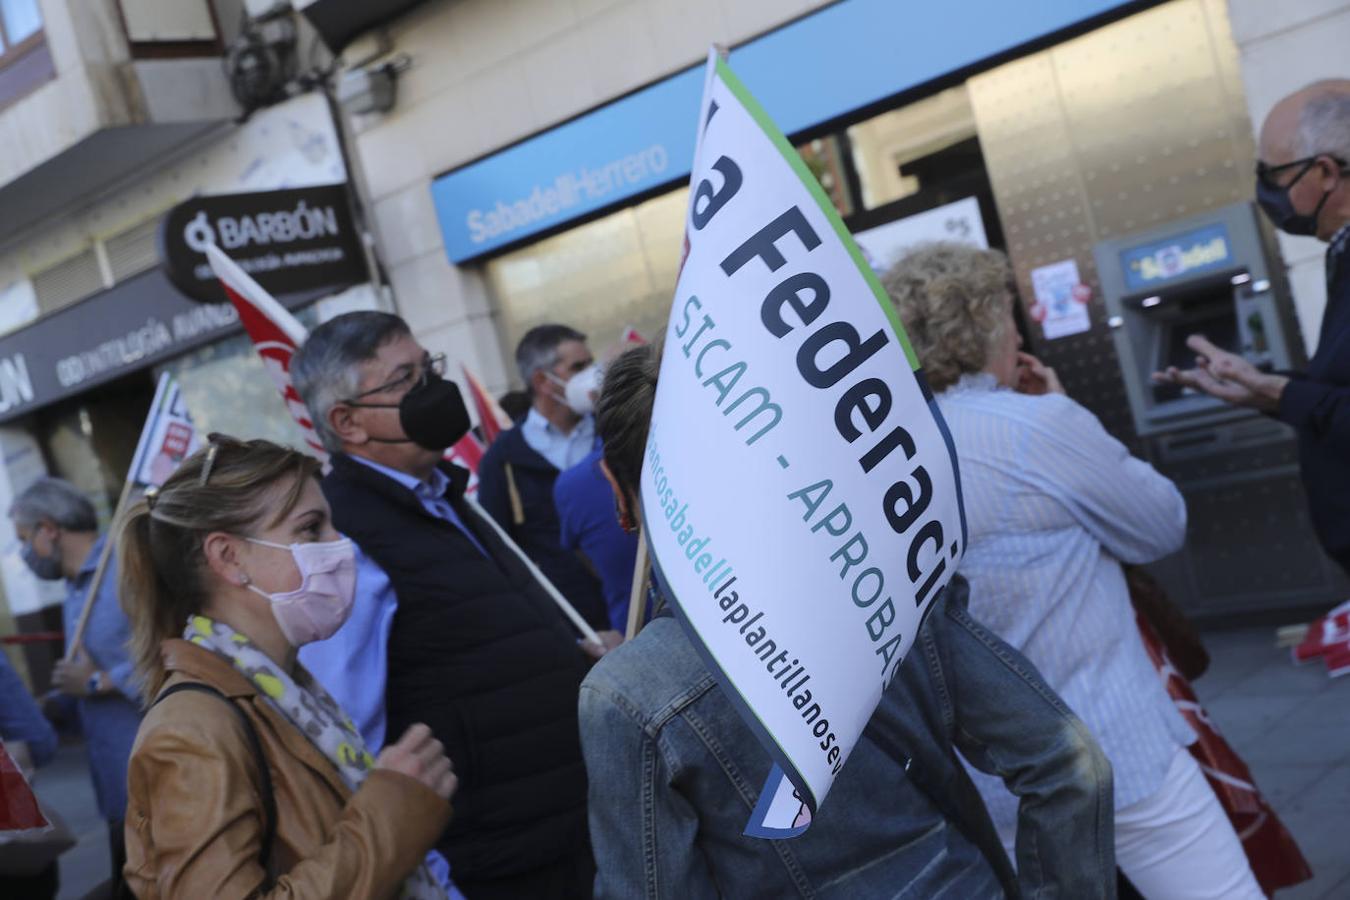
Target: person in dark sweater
(1303,185)
(449,627)
(516,477)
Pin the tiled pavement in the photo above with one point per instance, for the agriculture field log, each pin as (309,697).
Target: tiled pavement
(1291,724)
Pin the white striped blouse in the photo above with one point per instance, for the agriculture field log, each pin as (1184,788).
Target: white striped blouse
(1054,505)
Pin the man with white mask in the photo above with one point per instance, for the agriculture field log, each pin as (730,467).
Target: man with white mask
(517,475)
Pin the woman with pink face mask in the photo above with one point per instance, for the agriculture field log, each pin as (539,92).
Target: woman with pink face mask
(247,779)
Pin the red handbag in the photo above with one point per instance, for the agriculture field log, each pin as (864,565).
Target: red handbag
(1271,850)
(19,810)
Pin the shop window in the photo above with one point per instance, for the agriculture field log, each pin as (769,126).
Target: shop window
(68,281)
(905,151)
(228,390)
(600,277)
(25,61)
(133,251)
(89,439)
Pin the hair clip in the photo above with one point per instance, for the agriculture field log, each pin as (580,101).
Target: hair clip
(151,497)
(211,451)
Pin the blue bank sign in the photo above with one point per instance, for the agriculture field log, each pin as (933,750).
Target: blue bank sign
(844,57)
(1193,252)
(616,152)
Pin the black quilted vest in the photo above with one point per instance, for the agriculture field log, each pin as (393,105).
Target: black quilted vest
(480,653)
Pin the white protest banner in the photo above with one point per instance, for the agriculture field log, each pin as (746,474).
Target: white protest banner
(168,438)
(800,491)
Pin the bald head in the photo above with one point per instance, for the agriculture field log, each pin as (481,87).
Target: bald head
(1312,120)
(1304,185)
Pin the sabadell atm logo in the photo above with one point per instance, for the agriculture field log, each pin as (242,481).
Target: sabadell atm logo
(1173,260)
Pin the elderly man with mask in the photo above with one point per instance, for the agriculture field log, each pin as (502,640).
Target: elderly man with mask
(59,531)
(450,627)
(1303,185)
(518,472)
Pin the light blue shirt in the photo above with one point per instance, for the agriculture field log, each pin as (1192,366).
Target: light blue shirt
(353,664)
(1054,505)
(109,721)
(563,451)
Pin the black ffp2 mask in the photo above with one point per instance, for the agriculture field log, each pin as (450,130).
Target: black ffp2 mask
(432,414)
(1275,203)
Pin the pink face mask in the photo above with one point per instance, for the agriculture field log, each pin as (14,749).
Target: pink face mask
(323,601)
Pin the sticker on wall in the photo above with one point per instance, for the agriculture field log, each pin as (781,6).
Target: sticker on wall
(1061,305)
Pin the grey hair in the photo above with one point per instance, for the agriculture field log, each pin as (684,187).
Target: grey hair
(327,369)
(953,300)
(57,501)
(538,349)
(1324,125)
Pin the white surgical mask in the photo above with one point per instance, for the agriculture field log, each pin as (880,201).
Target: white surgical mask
(578,389)
(323,601)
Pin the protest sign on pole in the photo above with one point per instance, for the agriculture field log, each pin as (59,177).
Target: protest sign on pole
(800,489)
(167,438)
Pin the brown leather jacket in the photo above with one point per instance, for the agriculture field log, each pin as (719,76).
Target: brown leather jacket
(194,819)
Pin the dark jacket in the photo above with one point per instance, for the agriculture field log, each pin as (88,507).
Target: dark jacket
(1317,403)
(538,532)
(481,654)
(674,773)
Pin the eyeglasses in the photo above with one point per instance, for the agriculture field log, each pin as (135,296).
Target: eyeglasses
(413,378)
(1266,173)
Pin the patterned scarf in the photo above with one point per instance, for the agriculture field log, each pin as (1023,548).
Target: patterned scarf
(310,708)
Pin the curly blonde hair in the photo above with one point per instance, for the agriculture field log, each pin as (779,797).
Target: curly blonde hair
(954,300)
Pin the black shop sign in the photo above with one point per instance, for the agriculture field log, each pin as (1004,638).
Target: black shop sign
(290,241)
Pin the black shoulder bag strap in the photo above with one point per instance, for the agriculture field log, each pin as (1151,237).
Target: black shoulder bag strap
(264,773)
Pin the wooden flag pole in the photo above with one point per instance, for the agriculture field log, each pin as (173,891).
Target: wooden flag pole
(73,641)
(637,597)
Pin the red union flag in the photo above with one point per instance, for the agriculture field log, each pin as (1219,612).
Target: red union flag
(277,335)
(492,419)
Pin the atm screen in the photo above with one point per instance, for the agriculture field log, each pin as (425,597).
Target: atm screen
(1220,326)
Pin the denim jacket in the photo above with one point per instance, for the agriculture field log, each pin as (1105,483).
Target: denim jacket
(674,774)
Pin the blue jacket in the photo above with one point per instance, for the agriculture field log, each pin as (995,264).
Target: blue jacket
(1316,403)
(20,718)
(109,721)
(586,522)
(674,774)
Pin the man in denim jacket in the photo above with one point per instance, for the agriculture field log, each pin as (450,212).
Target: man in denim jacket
(674,772)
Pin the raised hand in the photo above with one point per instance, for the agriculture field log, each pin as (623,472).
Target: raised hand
(1035,377)
(420,756)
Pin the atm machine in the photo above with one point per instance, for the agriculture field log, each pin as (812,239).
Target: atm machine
(1250,545)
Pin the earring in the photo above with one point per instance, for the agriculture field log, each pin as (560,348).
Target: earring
(245,581)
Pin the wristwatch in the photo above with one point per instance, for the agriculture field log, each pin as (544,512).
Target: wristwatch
(95,684)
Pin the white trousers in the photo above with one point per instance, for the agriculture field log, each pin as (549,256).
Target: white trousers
(1177,844)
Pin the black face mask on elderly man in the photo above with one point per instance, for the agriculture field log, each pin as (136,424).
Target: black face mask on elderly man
(1275,202)
(432,414)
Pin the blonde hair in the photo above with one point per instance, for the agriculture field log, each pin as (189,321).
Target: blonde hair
(953,299)
(226,486)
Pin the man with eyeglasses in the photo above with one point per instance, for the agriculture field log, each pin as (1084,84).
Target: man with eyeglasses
(1303,185)
(449,626)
